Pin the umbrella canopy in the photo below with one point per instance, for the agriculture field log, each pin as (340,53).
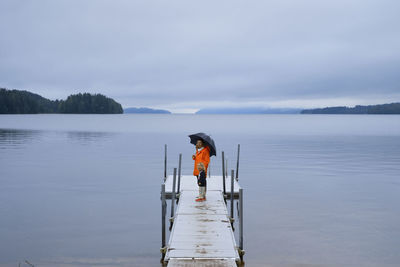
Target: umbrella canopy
(208,141)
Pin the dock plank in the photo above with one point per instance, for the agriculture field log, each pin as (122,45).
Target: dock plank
(201,230)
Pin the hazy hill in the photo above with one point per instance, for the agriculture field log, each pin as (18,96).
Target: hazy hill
(393,108)
(255,110)
(146,110)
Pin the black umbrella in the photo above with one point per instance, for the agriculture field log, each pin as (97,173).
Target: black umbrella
(207,140)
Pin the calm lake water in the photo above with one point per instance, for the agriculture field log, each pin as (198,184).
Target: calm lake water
(83,190)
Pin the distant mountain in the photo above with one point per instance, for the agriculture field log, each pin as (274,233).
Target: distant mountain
(393,108)
(146,110)
(256,110)
(25,102)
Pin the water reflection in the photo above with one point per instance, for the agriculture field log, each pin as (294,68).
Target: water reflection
(86,137)
(17,139)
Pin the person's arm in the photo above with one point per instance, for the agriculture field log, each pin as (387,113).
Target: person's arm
(206,157)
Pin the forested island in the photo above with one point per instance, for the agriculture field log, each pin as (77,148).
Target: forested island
(393,108)
(24,102)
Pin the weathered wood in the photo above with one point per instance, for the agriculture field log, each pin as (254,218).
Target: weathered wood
(201,230)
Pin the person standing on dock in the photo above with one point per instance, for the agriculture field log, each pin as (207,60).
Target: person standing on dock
(201,181)
(202,155)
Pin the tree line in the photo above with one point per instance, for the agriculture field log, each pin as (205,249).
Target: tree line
(393,108)
(24,102)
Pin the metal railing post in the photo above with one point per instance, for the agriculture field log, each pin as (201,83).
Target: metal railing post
(223,173)
(173,200)
(237,163)
(179,174)
(241,251)
(165,162)
(241,218)
(163,213)
(226,167)
(232,192)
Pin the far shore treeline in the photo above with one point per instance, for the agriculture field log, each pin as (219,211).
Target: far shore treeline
(393,108)
(24,102)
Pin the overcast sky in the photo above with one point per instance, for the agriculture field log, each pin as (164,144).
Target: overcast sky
(185,55)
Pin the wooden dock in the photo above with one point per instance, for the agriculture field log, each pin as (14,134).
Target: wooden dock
(202,233)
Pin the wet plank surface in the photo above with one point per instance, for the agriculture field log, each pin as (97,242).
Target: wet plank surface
(202,229)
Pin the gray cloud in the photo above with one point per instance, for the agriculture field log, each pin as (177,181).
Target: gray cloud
(185,54)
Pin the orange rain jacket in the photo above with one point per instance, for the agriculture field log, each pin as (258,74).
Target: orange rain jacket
(201,156)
